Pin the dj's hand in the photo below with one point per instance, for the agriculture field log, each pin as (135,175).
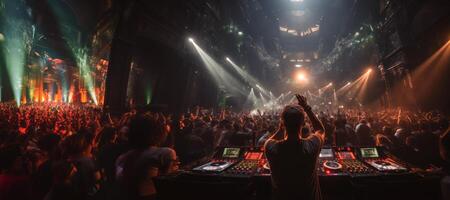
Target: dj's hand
(301,101)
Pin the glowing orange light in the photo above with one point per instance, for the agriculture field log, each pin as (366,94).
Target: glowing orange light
(301,77)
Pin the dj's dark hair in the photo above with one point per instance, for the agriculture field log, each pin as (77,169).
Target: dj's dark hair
(293,118)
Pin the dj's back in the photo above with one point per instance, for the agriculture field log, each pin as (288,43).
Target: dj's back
(293,167)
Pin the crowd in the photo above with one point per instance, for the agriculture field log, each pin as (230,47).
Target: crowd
(63,151)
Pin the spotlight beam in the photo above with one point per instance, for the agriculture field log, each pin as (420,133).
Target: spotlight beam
(363,89)
(356,88)
(220,76)
(15,61)
(14,46)
(253,81)
(251,99)
(346,86)
(433,68)
(264,91)
(324,88)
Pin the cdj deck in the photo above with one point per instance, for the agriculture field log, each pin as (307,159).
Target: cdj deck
(344,173)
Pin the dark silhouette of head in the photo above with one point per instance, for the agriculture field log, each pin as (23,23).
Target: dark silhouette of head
(75,145)
(107,136)
(293,119)
(145,131)
(9,155)
(388,130)
(49,142)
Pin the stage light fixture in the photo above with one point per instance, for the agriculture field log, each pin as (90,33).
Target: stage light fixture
(191,40)
(298,65)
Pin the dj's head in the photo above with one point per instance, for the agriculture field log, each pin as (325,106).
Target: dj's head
(293,119)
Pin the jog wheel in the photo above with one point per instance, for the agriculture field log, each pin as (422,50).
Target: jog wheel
(332,165)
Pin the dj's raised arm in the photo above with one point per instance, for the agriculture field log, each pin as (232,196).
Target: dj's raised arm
(316,123)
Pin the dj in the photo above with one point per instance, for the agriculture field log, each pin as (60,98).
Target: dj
(293,159)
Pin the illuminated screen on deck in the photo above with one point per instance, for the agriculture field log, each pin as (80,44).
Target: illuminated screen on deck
(346,155)
(326,153)
(253,155)
(231,152)
(369,153)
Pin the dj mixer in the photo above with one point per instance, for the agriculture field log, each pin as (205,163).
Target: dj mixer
(249,165)
(342,161)
(332,161)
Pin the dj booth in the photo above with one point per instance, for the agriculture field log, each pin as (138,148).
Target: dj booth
(344,173)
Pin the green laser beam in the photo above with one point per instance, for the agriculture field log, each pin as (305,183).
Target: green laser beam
(70,34)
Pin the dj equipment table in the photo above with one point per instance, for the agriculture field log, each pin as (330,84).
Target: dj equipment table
(344,173)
